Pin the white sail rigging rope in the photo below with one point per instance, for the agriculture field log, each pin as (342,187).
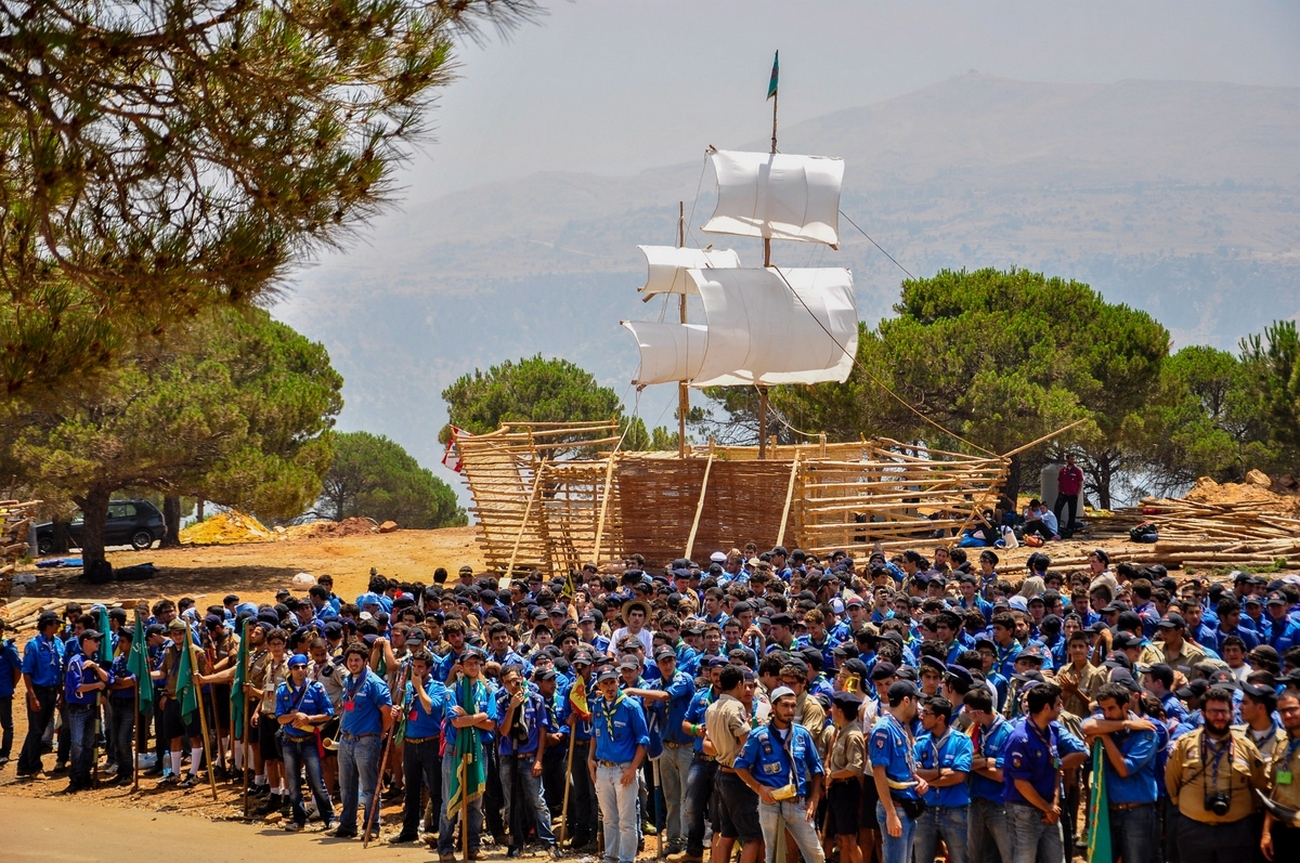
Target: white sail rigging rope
(698,185)
(878,246)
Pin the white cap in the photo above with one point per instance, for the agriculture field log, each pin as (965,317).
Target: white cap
(780,692)
(718,557)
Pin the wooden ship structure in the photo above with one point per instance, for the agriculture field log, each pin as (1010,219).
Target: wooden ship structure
(556,496)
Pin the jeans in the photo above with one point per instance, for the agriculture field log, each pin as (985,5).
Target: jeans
(121,719)
(421,766)
(988,840)
(29,760)
(6,725)
(699,794)
(949,824)
(895,849)
(299,753)
(1134,834)
(358,766)
(81,742)
(674,771)
(518,771)
(618,808)
(447,822)
(1033,841)
(789,815)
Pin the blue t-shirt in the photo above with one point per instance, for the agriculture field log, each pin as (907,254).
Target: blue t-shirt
(534,716)
(418,722)
(890,746)
(471,699)
(765,756)
(1034,756)
(120,673)
(992,744)
(952,752)
(43,660)
(9,663)
(619,728)
(364,696)
(311,699)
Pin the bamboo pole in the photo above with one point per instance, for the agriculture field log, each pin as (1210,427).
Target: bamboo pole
(699,507)
(523,527)
(464,806)
(203,719)
(789,495)
(604,508)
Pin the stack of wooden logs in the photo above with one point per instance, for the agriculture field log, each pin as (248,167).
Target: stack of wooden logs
(22,613)
(1242,534)
(15,521)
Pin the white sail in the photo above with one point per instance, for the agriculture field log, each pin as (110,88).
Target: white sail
(666,267)
(669,351)
(759,332)
(778,196)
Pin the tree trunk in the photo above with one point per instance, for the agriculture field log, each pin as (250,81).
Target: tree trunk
(1012,487)
(172,521)
(60,537)
(94,512)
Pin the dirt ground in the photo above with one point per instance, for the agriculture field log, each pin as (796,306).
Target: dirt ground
(255,571)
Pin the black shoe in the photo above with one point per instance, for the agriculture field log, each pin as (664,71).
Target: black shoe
(73,788)
(340,833)
(269,805)
(403,838)
(59,768)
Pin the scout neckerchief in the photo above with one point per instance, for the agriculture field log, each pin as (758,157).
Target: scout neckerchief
(1045,738)
(1214,754)
(936,746)
(607,711)
(359,679)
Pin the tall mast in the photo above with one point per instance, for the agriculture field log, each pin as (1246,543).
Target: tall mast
(767,262)
(683,392)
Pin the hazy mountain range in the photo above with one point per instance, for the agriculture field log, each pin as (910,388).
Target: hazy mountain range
(1180,198)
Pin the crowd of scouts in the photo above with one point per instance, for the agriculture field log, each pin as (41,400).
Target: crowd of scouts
(763,704)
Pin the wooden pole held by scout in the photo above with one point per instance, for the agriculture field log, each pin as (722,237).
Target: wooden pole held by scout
(568,778)
(374,816)
(203,718)
(464,806)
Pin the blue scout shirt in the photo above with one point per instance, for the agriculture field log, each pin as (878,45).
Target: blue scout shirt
(311,699)
(364,696)
(419,723)
(891,747)
(1174,709)
(681,691)
(1139,751)
(119,673)
(765,755)
(953,751)
(695,713)
(9,663)
(43,660)
(619,728)
(534,717)
(478,700)
(77,675)
(992,744)
(1032,755)
(1006,661)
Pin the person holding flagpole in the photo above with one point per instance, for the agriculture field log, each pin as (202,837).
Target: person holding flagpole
(121,713)
(175,676)
(470,714)
(575,713)
(83,681)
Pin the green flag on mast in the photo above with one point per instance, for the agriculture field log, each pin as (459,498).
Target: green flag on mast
(186,692)
(771,85)
(138,664)
(237,695)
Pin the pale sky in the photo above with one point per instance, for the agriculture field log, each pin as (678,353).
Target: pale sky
(617,87)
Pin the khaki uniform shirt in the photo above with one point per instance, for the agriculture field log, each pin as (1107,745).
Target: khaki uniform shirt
(275,673)
(811,716)
(849,751)
(1183,663)
(1266,744)
(1190,771)
(1285,793)
(727,725)
(1088,681)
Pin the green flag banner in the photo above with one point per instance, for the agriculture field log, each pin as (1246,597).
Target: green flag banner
(771,84)
(237,695)
(1099,808)
(470,785)
(138,664)
(186,693)
(105,658)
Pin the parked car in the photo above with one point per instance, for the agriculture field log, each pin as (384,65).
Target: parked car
(137,523)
